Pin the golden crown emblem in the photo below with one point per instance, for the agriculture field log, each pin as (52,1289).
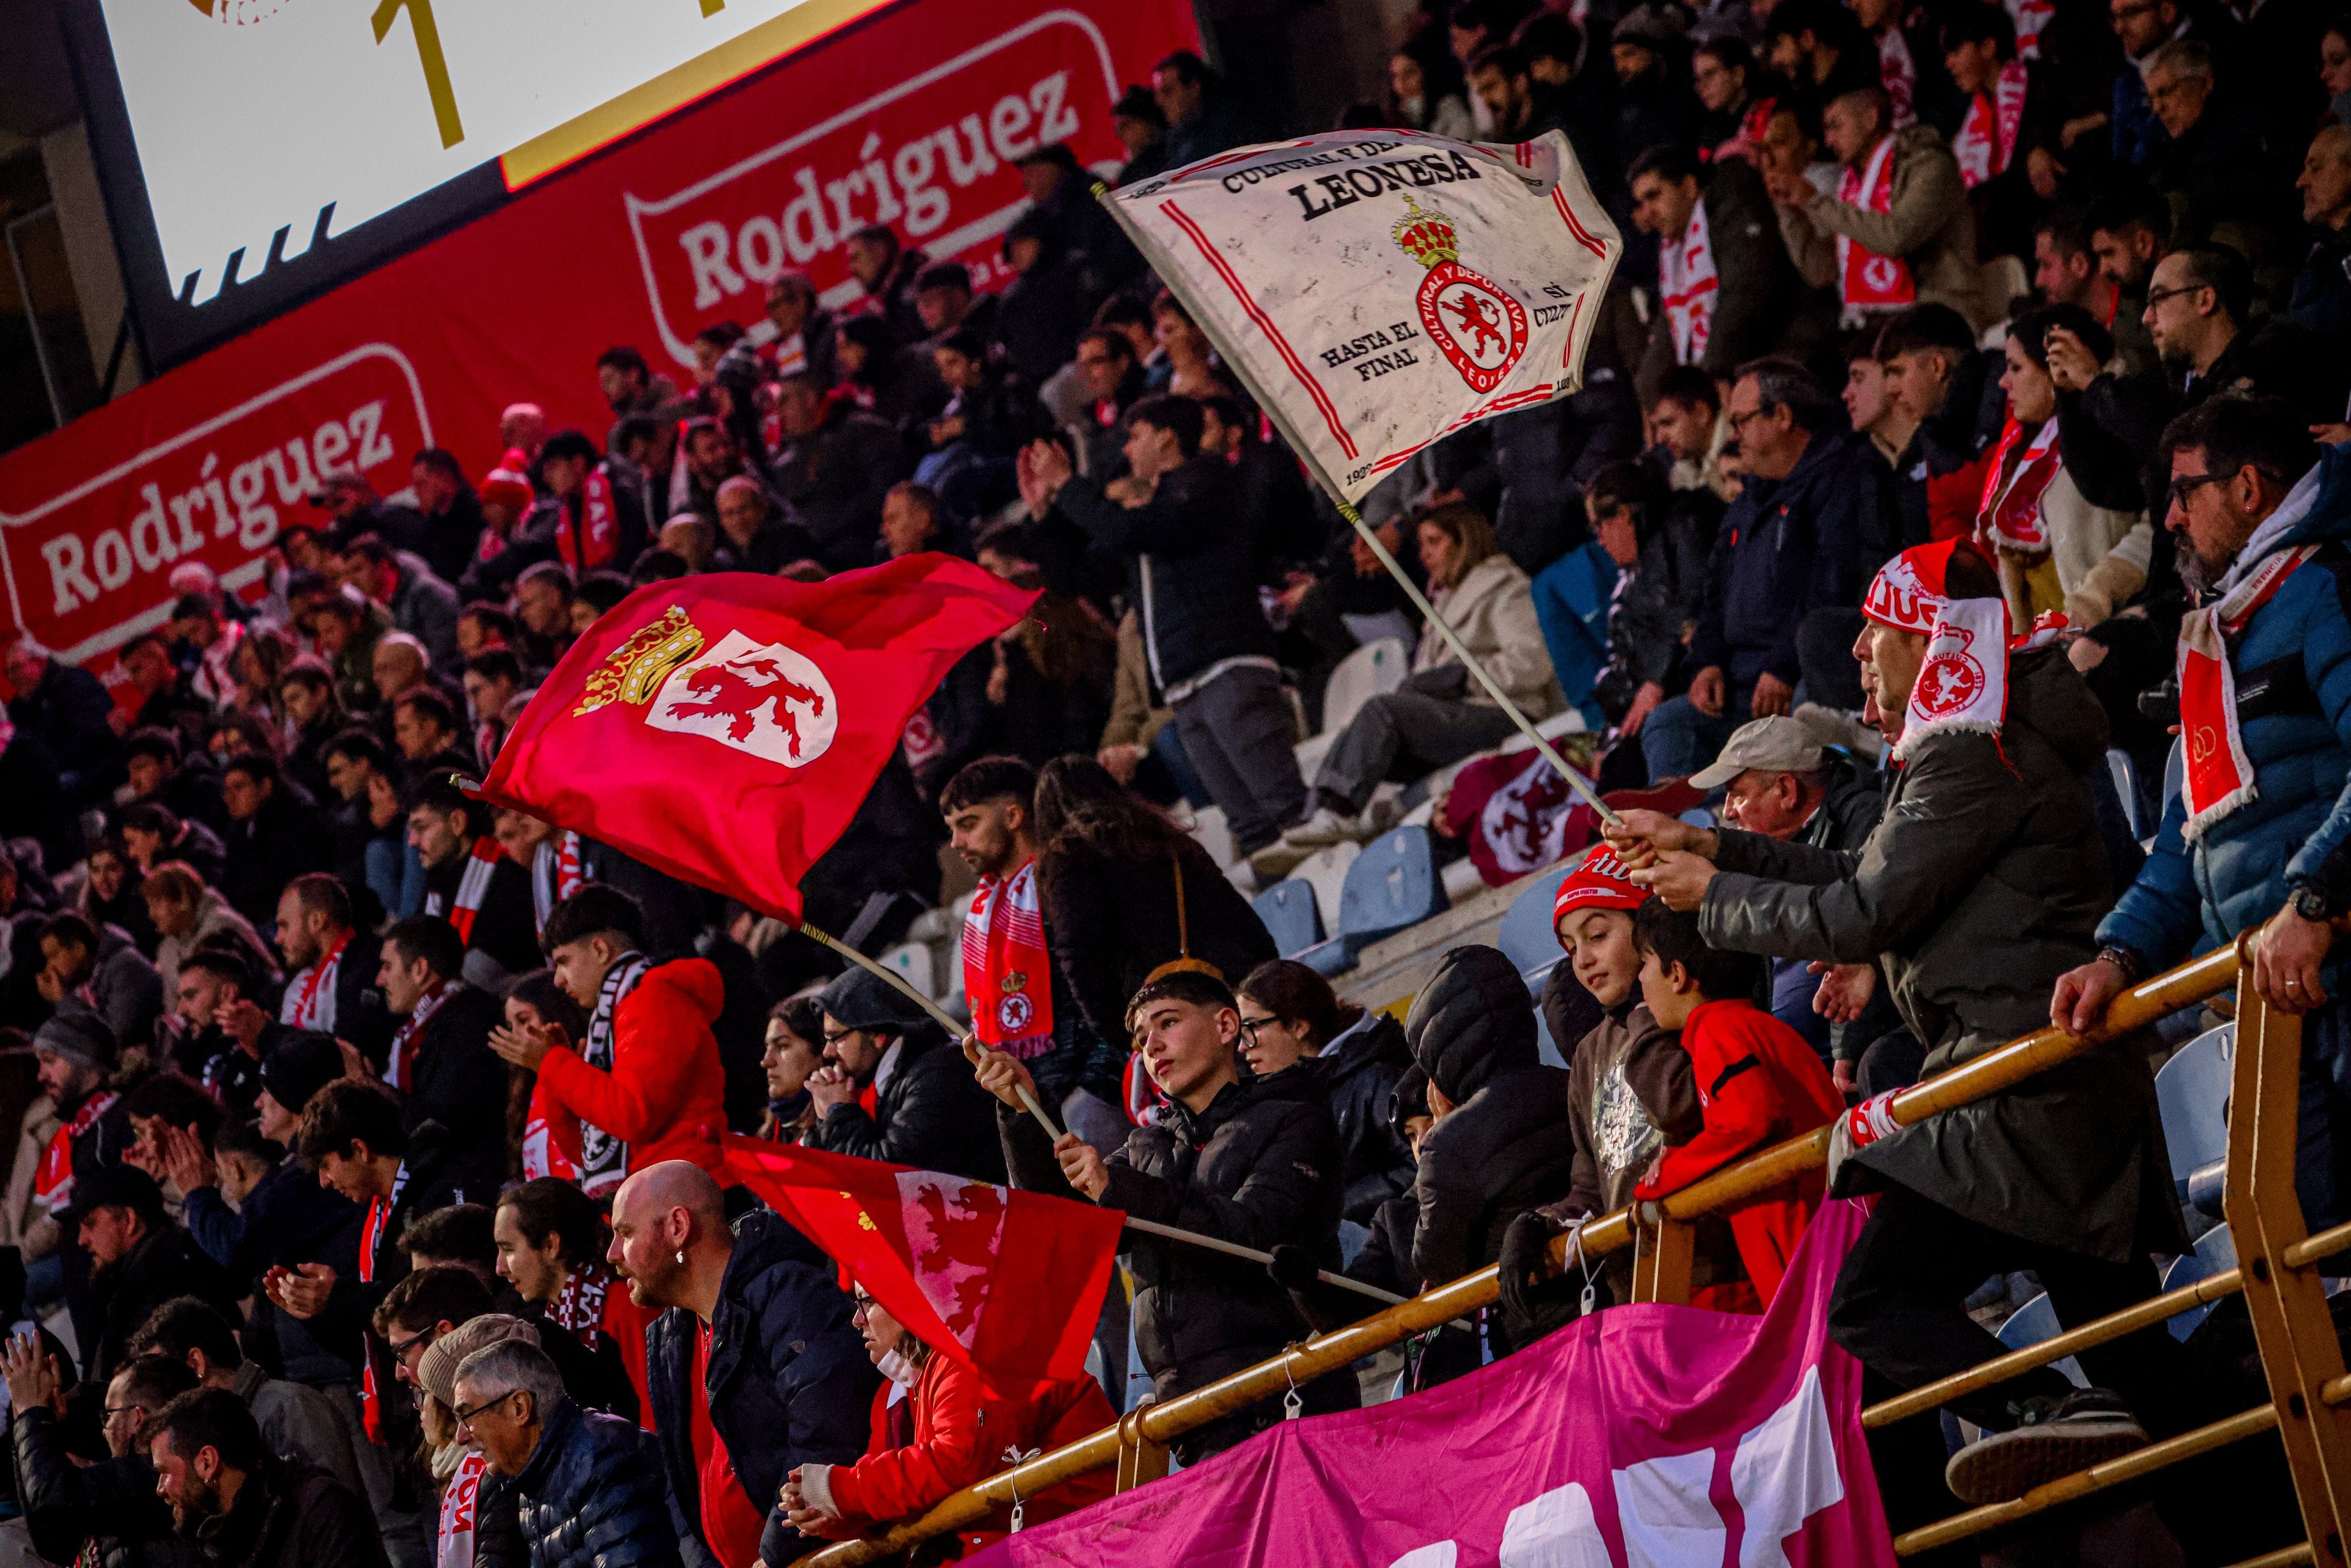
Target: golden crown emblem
(1428,238)
(631,670)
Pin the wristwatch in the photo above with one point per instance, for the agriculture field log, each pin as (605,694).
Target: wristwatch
(2312,905)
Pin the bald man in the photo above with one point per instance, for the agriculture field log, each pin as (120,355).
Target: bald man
(399,663)
(790,1384)
(758,538)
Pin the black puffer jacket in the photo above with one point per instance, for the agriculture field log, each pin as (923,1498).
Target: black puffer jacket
(593,1495)
(931,1113)
(1505,1147)
(1359,1071)
(66,1503)
(1260,1166)
(290,1515)
(788,1383)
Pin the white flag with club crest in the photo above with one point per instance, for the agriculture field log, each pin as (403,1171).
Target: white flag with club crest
(1379,289)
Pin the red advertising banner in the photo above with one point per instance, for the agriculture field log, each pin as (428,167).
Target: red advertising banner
(912,119)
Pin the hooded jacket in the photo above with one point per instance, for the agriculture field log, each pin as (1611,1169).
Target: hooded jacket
(1505,1147)
(2293,667)
(1359,1071)
(123,988)
(1982,882)
(592,1496)
(665,1094)
(788,1381)
(1931,224)
(1759,294)
(1260,1166)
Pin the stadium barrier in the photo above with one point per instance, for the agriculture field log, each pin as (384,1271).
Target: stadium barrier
(2276,1257)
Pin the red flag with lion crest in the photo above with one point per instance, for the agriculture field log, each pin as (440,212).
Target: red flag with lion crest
(1009,1283)
(726,727)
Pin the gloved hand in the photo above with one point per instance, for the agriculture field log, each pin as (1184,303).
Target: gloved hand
(1294,1267)
(1526,1266)
(1857,1129)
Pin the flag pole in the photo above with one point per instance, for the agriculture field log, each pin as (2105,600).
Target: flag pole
(1173,277)
(946,1020)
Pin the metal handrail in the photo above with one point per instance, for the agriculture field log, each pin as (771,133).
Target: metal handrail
(1987,1074)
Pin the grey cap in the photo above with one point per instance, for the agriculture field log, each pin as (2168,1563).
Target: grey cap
(1775,745)
(436,1369)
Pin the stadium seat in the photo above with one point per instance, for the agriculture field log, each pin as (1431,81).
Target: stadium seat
(1288,911)
(2034,1321)
(2175,774)
(1327,871)
(2118,763)
(2192,1093)
(1393,884)
(1369,671)
(1527,937)
(913,960)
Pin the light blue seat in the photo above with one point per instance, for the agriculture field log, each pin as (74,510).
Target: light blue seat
(1394,883)
(1527,937)
(2192,1093)
(2030,1324)
(1290,917)
(2125,776)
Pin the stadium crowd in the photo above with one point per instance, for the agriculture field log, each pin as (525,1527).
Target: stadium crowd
(367,1202)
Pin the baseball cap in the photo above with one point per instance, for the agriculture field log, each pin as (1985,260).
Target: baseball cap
(114,1186)
(1775,745)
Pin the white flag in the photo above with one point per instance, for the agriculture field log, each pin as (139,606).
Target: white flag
(1378,290)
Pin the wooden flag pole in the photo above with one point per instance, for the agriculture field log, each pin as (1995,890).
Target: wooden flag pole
(946,1020)
(1206,320)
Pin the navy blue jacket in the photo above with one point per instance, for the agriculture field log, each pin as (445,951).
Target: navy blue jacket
(593,1495)
(1789,547)
(2292,668)
(788,1384)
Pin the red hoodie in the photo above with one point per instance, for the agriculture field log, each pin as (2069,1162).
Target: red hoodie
(665,1095)
(1758,1084)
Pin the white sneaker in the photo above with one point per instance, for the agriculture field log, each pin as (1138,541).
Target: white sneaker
(1324,828)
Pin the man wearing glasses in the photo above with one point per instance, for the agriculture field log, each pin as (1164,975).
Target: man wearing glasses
(589,1486)
(2255,839)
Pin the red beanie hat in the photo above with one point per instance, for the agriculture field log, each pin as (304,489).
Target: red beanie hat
(1600,882)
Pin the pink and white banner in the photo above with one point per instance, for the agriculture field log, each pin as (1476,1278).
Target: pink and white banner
(1645,1437)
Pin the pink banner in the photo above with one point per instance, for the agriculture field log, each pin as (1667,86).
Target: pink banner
(1645,1437)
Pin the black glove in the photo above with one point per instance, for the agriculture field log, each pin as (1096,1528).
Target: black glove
(1294,1267)
(1525,1268)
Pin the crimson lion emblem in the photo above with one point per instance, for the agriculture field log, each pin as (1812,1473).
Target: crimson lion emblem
(1948,683)
(763,698)
(1481,328)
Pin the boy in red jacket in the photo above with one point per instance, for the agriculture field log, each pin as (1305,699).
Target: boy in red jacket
(1758,1084)
(646,1084)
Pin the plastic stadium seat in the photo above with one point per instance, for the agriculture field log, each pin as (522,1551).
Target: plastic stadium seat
(2032,1323)
(2175,774)
(913,960)
(1527,937)
(1371,670)
(1327,871)
(2125,776)
(1209,828)
(2192,1091)
(1393,884)
(1288,909)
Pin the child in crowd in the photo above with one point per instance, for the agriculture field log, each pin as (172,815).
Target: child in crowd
(1758,1084)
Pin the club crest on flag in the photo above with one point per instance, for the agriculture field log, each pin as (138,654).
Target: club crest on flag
(954,1228)
(1952,679)
(759,697)
(1481,328)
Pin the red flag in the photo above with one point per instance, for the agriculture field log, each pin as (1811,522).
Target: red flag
(1009,1283)
(726,727)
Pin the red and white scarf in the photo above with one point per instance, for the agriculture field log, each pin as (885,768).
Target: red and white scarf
(1871,281)
(454,1547)
(1689,284)
(372,1240)
(542,1155)
(309,1001)
(1899,74)
(53,1182)
(215,678)
(2030,17)
(556,871)
(1008,976)
(596,539)
(580,1305)
(1963,683)
(400,1069)
(2009,519)
(1987,139)
(473,887)
(2219,778)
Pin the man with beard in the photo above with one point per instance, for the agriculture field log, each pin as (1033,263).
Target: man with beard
(755,1369)
(2253,839)
(138,1259)
(71,1505)
(239,1504)
(331,966)
(470,883)
(440,1059)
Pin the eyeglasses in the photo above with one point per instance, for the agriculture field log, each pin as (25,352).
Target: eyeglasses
(2186,485)
(1250,1026)
(1738,421)
(485,1405)
(860,1305)
(401,1347)
(2155,296)
(831,1040)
